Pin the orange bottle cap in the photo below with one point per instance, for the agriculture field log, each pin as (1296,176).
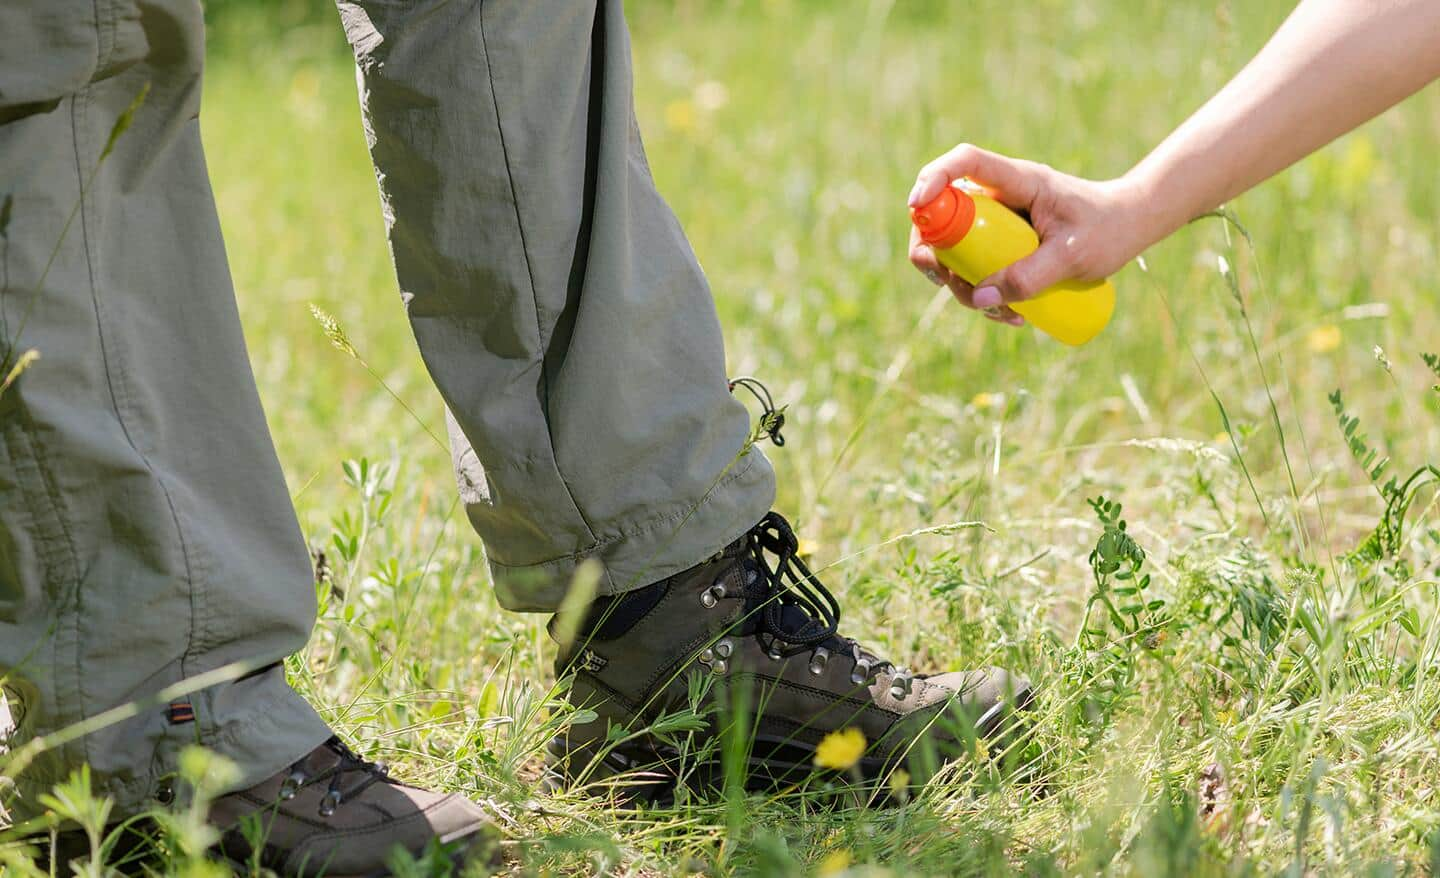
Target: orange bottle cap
(946,220)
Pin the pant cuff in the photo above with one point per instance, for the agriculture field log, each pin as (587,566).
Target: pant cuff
(266,737)
(660,547)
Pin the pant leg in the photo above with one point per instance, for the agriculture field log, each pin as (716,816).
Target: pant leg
(555,299)
(146,532)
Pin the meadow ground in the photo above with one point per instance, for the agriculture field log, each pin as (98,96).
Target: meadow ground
(1268,704)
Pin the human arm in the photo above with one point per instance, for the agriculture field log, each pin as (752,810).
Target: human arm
(1331,66)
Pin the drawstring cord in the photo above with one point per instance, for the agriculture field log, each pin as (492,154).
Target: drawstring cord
(771,417)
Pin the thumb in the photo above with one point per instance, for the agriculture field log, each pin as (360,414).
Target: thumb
(1026,278)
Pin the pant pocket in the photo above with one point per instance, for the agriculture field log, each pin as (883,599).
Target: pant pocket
(48,50)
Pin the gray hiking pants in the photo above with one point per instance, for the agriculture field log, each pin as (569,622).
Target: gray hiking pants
(146,532)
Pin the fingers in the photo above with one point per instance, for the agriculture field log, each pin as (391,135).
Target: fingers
(923,258)
(1012,181)
(1025,279)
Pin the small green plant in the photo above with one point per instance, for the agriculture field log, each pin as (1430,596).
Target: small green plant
(1120,619)
(1387,540)
(1193,757)
(1116,563)
(1360,448)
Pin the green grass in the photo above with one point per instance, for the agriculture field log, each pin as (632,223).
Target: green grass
(1277,713)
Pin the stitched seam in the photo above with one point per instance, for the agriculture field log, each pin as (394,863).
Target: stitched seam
(264,805)
(615,695)
(530,271)
(289,813)
(119,399)
(780,683)
(77,114)
(105,26)
(367,830)
(687,652)
(646,526)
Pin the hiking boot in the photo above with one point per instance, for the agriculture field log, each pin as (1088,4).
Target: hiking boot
(331,813)
(754,633)
(335,814)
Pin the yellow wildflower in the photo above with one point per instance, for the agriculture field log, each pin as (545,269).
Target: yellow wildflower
(834,863)
(900,784)
(680,115)
(840,749)
(1323,339)
(986,400)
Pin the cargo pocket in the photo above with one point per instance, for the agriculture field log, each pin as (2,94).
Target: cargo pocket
(47,51)
(50,50)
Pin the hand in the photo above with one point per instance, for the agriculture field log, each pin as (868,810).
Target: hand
(1087,229)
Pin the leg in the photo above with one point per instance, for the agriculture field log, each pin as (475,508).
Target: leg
(570,330)
(555,299)
(146,533)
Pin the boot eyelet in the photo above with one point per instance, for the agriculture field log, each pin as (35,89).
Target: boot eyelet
(707,655)
(725,648)
(291,785)
(775,655)
(165,793)
(712,595)
(818,660)
(861,674)
(719,666)
(329,803)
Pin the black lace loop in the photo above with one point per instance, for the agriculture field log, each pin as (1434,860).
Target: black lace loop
(789,583)
(335,793)
(771,417)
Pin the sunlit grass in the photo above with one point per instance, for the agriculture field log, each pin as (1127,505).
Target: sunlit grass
(1278,710)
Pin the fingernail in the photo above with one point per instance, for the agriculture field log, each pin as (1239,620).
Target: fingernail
(934,277)
(914,198)
(1015,320)
(987,297)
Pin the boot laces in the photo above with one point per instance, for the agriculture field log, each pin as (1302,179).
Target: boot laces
(789,583)
(346,764)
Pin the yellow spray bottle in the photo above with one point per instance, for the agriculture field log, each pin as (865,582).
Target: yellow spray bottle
(975,236)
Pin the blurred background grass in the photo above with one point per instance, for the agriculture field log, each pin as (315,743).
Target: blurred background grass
(786,134)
